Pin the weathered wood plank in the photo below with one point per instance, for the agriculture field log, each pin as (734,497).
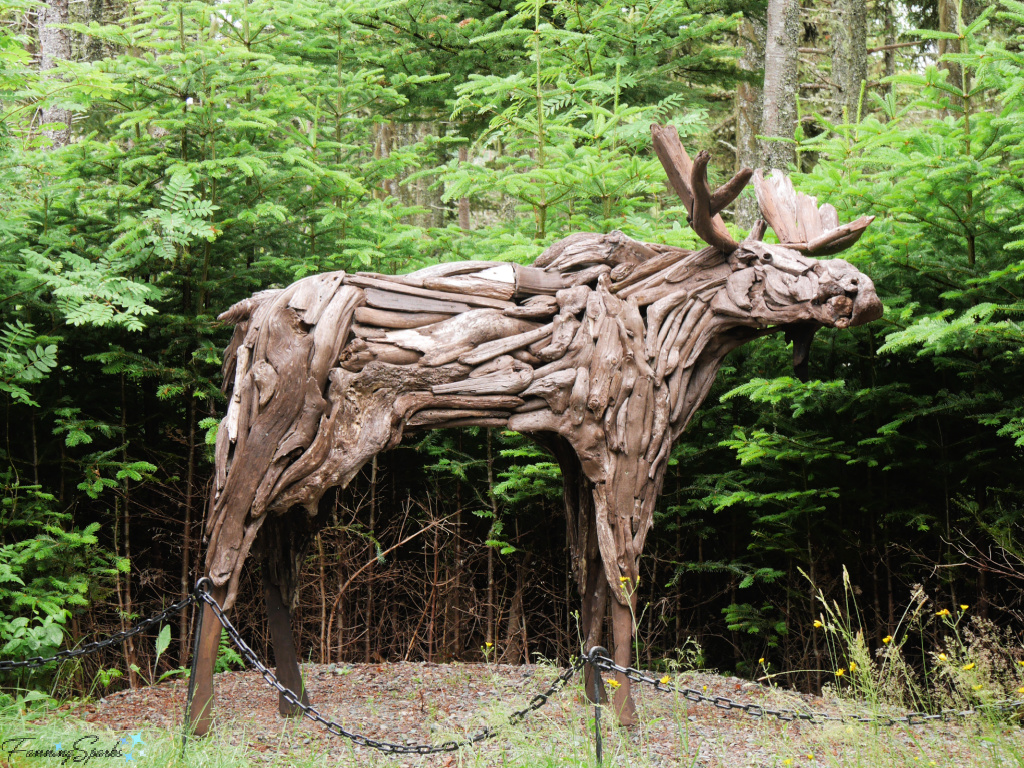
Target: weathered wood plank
(384,319)
(411,290)
(510,382)
(531,281)
(367,332)
(534,308)
(471,285)
(414,304)
(445,269)
(503,346)
(438,416)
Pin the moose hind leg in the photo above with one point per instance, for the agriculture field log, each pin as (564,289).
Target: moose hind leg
(587,566)
(279,617)
(282,542)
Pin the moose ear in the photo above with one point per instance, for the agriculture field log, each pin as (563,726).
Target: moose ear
(799,222)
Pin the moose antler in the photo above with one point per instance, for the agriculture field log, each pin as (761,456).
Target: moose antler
(799,222)
(689,178)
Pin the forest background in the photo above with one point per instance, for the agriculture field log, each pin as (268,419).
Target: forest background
(160,161)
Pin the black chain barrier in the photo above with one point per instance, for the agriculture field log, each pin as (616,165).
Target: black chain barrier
(602,662)
(361,740)
(99,645)
(596,658)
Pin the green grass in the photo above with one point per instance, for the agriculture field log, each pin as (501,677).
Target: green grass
(671,732)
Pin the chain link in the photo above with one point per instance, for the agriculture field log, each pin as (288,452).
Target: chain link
(99,645)
(387,747)
(788,715)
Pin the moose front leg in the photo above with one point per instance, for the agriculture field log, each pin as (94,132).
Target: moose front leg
(200,711)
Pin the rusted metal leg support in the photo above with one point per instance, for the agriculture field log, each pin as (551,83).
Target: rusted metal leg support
(200,714)
(595,607)
(285,656)
(598,693)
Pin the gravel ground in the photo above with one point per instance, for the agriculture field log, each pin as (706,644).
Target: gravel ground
(422,702)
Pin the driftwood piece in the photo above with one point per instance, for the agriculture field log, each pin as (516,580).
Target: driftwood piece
(472,285)
(391,285)
(798,221)
(415,304)
(536,307)
(503,346)
(531,281)
(383,319)
(446,269)
(602,351)
(689,180)
(444,342)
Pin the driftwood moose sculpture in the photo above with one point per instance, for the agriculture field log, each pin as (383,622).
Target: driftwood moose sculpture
(601,352)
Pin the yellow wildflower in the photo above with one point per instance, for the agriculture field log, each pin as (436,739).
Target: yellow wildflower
(977,687)
(761,660)
(489,645)
(942,657)
(887,639)
(943,612)
(1021,663)
(614,683)
(810,755)
(853,666)
(972,665)
(788,761)
(840,672)
(818,624)
(964,607)
(1020,690)
(664,680)
(623,578)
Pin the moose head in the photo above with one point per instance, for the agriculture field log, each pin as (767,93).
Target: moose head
(601,351)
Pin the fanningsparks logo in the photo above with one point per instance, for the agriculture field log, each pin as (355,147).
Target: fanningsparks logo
(84,749)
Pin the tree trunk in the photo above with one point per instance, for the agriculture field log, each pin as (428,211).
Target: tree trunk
(368,638)
(93,45)
(186,545)
(780,82)
(464,201)
(489,630)
(749,104)
(954,15)
(849,58)
(515,650)
(54,46)
(129,644)
(889,12)
(325,640)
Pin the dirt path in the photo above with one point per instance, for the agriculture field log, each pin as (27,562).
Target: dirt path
(420,702)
